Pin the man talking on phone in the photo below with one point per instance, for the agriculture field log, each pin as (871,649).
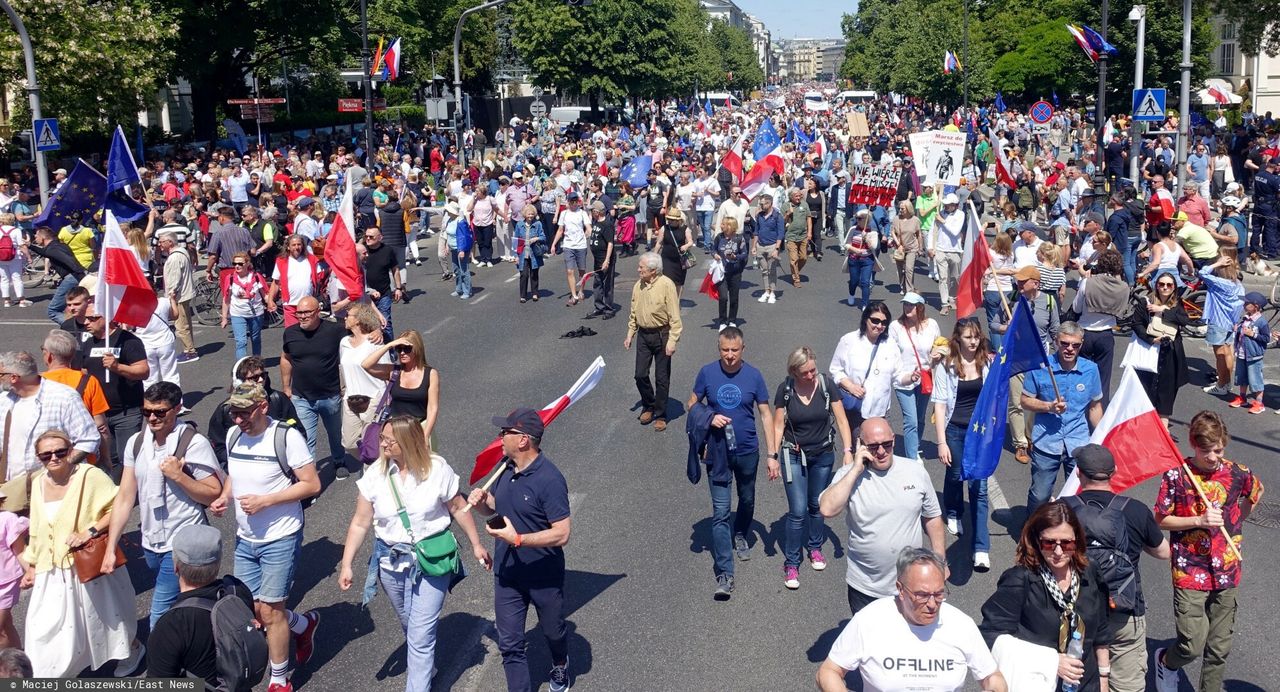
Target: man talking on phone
(529,510)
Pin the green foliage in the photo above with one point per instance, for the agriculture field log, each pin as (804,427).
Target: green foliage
(734,54)
(425,28)
(1258,30)
(94,67)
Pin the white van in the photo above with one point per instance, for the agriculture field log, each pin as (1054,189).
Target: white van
(855,96)
(717,99)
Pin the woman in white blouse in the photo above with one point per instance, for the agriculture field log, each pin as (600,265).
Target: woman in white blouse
(866,365)
(409,478)
(913,334)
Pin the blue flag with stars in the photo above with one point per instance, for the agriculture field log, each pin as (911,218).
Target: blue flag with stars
(121,173)
(83,192)
(1000,107)
(1022,351)
(637,172)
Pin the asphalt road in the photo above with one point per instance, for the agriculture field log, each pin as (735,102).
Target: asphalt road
(640,581)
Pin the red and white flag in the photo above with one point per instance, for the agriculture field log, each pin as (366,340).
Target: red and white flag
(124,294)
(757,179)
(340,248)
(1132,430)
(819,147)
(732,160)
(974,263)
(490,456)
(1004,175)
(1218,95)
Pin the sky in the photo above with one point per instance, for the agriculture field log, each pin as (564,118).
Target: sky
(800,18)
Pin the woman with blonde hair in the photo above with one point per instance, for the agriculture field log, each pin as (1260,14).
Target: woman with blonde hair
(408,497)
(415,385)
(243,305)
(361,391)
(906,245)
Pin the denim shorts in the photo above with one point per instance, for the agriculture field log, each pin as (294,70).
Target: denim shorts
(1217,336)
(1249,373)
(267,568)
(575,259)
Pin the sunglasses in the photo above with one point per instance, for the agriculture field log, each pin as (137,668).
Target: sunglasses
(1068,545)
(877,321)
(92,318)
(241,412)
(54,453)
(1071,345)
(156,412)
(1165,284)
(237,264)
(512,431)
(404,349)
(878,446)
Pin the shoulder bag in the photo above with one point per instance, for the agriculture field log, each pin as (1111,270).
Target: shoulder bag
(370,448)
(436,555)
(851,402)
(89,556)
(926,377)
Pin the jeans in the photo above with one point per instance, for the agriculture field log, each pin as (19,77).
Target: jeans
(651,351)
(953,491)
(58,303)
(1044,473)
(268,568)
(122,423)
(995,315)
(744,474)
(1129,248)
(462,274)
(511,608)
(311,413)
(804,485)
(861,273)
(484,243)
(418,601)
(705,220)
(383,303)
(914,406)
(247,331)
(729,296)
(166,591)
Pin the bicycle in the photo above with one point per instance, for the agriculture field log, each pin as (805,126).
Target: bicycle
(36,276)
(206,307)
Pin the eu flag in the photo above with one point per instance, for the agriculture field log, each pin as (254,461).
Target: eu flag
(1000,107)
(1021,351)
(121,173)
(798,136)
(766,140)
(637,172)
(1097,42)
(82,192)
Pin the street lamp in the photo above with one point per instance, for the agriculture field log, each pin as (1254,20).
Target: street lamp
(1137,14)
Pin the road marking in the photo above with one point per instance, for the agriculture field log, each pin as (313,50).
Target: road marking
(439,324)
(30,322)
(995,495)
(513,278)
(485,637)
(482,297)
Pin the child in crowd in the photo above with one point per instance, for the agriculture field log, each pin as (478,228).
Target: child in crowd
(1252,334)
(13,534)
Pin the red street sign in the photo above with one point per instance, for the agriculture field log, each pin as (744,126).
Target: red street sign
(251,102)
(357,105)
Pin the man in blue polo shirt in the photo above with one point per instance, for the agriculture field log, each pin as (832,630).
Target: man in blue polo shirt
(735,391)
(530,506)
(1062,421)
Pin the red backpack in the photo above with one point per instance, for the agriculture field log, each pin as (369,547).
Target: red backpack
(7,249)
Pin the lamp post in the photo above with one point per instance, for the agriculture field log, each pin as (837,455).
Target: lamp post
(1100,111)
(368,80)
(964,51)
(457,66)
(1137,14)
(1184,112)
(33,94)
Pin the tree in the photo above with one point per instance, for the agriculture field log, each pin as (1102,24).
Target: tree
(735,56)
(1044,59)
(425,29)
(1255,21)
(95,68)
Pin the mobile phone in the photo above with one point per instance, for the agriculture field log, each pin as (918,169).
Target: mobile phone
(496,522)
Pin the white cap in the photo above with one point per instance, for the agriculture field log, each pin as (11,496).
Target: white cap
(951,199)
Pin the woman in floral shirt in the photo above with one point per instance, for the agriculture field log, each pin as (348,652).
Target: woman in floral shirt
(1206,571)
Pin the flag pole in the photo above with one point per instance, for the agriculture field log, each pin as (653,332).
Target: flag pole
(502,466)
(1221,529)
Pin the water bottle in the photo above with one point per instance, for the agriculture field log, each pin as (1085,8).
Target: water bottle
(729,437)
(1075,649)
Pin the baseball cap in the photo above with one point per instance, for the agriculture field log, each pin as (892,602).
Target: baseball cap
(197,544)
(1095,461)
(1275,161)
(517,175)
(572,196)
(1027,272)
(247,395)
(1255,298)
(913,298)
(951,199)
(1181,216)
(1027,226)
(525,420)
(304,202)
(597,206)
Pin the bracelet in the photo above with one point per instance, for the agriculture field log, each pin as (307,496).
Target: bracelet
(1104,671)
(518,541)
(848,450)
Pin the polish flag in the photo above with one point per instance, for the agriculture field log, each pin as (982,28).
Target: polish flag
(974,263)
(1218,95)
(1132,430)
(1003,174)
(391,61)
(491,456)
(732,160)
(124,294)
(340,247)
(757,179)
(819,147)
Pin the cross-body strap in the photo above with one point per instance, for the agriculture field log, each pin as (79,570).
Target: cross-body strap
(404,515)
(871,362)
(4,449)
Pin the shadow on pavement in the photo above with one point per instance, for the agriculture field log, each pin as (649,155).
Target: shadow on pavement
(344,622)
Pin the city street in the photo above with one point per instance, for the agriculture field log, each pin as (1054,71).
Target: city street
(640,581)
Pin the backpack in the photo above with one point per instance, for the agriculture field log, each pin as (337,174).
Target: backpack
(1108,548)
(184,437)
(7,249)
(240,644)
(326,473)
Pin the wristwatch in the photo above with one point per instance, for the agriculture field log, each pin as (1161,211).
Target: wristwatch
(93,532)
(773,455)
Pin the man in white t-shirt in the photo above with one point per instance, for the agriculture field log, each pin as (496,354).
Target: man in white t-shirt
(706,194)
(1026,246)
(889,504)
(575,227)
(913,640)
(171,473)
(269,520)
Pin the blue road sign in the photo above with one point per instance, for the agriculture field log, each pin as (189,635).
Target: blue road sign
(1148,105)
(45,133)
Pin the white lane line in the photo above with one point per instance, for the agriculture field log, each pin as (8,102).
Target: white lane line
(513,278)
(484,295)
(36,323)
(995,495)
(439,324)
(485,636)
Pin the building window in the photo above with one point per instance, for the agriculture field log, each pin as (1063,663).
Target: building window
(1229,32)
(1227,59)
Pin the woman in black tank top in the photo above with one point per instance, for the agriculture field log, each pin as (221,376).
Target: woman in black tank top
(415,389)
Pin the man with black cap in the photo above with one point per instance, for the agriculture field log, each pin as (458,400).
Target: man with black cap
(1265,239)
(182,640)
(529,504)
(1118,530)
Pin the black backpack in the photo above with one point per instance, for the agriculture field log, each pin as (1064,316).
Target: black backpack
(240,644)
(1108,548)
(326,473)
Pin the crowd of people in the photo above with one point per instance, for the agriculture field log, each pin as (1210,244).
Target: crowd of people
(101,429)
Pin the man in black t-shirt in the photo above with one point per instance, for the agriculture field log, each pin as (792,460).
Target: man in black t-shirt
(601,244)
(1096,465)
(309,363)
(381,270)
(119,360)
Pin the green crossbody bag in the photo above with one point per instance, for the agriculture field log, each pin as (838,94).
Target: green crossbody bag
(437,555)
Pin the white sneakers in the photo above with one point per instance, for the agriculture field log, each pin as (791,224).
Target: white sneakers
(981,561)
(953,525)
(764,297)
(772,298)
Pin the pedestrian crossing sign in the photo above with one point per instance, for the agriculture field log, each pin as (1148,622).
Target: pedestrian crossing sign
(1148,105)
(47,137)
